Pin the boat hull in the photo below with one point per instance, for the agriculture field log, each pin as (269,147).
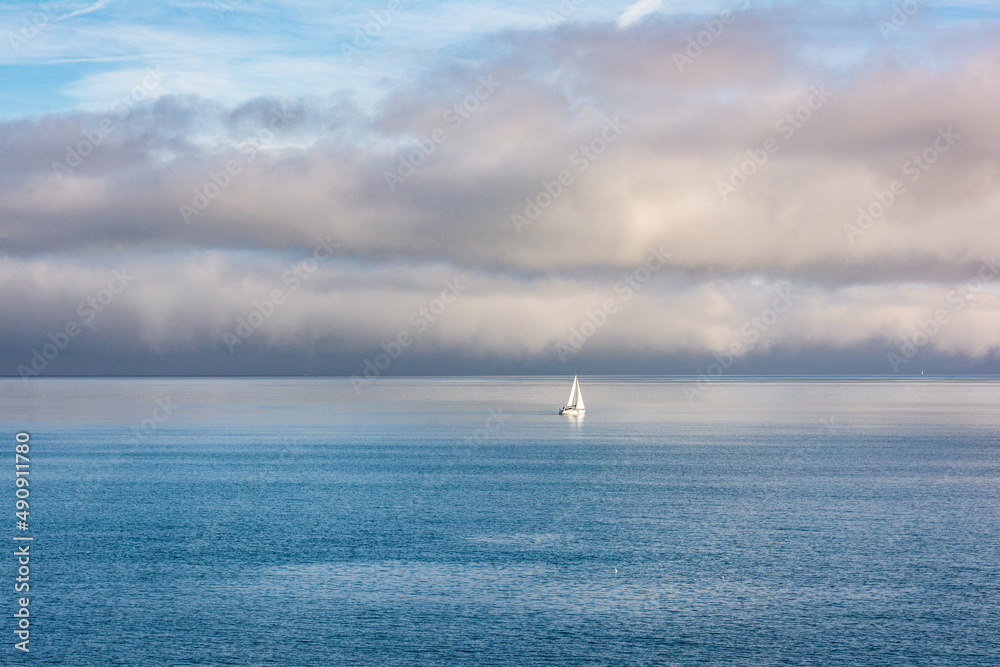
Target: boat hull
(571,411)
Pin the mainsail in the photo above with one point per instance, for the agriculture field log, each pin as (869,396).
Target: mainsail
(574,404)
(573,391)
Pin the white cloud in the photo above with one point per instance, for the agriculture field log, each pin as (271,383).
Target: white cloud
(637,11)
(100,4)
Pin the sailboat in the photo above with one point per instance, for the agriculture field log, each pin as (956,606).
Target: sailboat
(574,406)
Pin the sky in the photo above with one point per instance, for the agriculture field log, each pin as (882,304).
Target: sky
(203,187)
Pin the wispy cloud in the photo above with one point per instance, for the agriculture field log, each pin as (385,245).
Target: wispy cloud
(637,11)
(100,4)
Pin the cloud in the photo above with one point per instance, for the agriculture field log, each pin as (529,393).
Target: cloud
(637,11)
(346,310)
(100,4)
(540,172)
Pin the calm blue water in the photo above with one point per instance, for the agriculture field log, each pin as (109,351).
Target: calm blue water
(293,522)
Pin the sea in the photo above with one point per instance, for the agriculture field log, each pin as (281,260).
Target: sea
(462,521)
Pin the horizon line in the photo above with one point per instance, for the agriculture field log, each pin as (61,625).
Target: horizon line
(702,376)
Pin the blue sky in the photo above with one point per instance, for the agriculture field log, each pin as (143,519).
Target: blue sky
(535,151)
(66,55)
(231,50)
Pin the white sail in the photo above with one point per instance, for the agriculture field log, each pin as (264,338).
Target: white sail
(571,401)
(574,404)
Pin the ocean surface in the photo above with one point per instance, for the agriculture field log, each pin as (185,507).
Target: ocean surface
(461,521)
